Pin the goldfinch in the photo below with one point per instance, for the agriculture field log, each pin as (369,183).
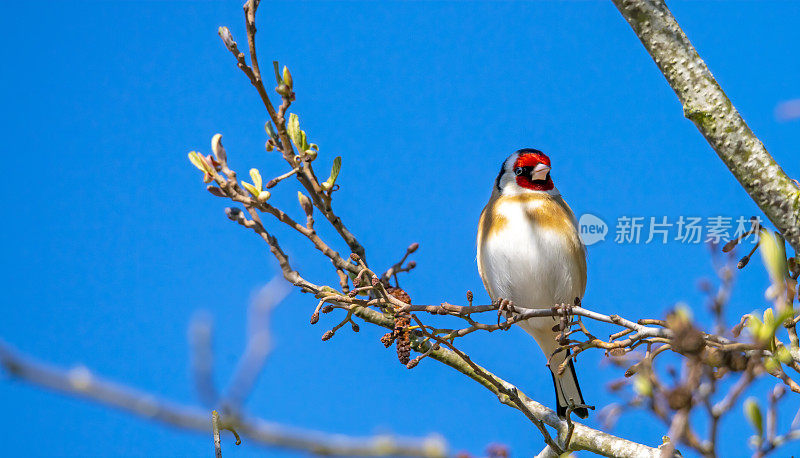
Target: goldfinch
(530,252)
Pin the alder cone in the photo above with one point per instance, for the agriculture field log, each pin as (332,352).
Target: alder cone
(715,357)
(403,338)
(388,339)
(401,323)
(679,398)
(737,361)
(399,294)
(688,340)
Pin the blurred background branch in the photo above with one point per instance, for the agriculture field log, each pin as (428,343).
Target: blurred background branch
(81,382)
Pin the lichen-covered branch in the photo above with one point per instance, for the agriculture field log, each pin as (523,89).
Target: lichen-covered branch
(705,103)
(583,437)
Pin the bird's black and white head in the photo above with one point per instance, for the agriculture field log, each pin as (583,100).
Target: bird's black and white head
(527,170)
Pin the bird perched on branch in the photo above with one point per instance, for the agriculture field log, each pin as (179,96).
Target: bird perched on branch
(530,253)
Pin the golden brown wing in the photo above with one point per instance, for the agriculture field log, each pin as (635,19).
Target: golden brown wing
(577,248)
(486,225)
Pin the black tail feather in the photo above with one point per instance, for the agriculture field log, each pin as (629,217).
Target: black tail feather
(561,408)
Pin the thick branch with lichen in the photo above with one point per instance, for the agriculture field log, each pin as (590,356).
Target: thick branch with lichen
(583,437)
(705,103)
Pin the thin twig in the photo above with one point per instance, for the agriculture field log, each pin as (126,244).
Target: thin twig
(215,427)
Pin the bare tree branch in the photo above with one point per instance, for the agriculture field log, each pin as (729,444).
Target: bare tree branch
(583,438)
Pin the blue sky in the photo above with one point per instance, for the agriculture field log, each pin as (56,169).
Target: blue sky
(111,243)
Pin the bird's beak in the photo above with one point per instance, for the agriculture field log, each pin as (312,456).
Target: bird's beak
(540,172)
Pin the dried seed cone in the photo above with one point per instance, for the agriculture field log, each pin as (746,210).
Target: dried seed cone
(399,294)
(679,398)
(715,357)
(737,362)
(403,337)
(413,363)
(388,339)
(403,350)
(688,340)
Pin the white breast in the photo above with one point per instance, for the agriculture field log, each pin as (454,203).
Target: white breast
(529,265)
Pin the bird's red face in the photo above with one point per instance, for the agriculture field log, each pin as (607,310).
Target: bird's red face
(532,170)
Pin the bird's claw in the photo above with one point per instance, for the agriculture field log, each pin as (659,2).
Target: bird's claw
(504,307)
(573,406)
(564,324)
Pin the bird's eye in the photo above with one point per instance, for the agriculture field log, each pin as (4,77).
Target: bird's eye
(518,171)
